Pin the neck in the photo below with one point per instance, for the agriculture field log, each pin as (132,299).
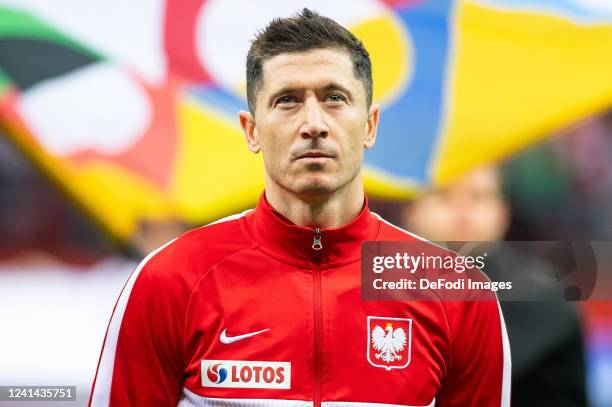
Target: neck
(326,210)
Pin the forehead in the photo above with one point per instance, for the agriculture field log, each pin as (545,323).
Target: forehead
(486,179)
(309,69)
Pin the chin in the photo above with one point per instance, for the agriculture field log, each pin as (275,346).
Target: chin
(316,186)
(314,189)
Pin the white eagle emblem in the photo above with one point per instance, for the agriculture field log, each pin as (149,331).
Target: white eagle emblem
(388,344)
(389,347)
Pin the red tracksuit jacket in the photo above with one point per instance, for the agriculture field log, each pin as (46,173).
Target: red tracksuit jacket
(244,312)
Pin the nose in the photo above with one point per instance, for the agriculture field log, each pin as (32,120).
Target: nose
(314,124)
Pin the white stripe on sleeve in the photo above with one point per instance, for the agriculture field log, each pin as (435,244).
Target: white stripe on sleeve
(507,372)
(104,377)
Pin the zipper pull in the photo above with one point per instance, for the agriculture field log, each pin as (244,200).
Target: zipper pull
(316,243)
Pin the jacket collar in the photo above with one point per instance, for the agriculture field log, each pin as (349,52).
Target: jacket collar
(281,238)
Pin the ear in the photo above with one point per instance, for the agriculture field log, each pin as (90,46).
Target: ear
(247,122)
(371,126)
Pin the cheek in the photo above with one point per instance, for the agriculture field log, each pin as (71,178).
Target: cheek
(434,220)
(490,217)
(275,143)
(352,141)
(443,219)
(275,157)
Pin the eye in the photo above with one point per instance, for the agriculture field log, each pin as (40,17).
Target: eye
(336,98)
(285,100)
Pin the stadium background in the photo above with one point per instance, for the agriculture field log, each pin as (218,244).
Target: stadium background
(119,131)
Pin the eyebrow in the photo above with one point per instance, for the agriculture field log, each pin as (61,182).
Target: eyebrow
(327,88)
(281,91)
(338,87)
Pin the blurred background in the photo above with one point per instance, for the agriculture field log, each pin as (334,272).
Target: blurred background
(119,131)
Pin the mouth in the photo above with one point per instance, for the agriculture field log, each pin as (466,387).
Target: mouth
(313,155)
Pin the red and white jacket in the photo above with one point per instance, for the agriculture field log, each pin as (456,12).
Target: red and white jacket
(245,312)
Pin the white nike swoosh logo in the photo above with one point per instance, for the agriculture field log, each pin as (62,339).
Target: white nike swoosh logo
(226,340)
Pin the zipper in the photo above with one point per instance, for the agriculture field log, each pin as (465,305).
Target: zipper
(316,242)
(318,318)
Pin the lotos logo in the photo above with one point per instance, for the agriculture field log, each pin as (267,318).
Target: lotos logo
(246,374)
(215,374)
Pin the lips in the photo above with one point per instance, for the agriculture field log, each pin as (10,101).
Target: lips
(314,154)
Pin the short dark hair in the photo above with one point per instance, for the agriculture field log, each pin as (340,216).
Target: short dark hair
(302,32)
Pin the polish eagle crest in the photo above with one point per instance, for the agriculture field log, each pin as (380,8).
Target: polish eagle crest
(389,346)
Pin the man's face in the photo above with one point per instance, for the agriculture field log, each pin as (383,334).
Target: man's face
(471,209)
(311,121)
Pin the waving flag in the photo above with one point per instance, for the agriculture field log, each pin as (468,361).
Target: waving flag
(131,107)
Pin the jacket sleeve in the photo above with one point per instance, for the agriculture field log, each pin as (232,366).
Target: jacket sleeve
(141,363)
(479,369)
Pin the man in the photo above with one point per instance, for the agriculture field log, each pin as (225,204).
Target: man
(470,209)
(264,308)
(545,336)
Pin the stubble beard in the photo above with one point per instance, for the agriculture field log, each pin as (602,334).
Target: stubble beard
(313,184)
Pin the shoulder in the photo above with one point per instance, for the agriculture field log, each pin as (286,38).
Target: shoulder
(181,262)
(157,294)
(454,302)
(389,231)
